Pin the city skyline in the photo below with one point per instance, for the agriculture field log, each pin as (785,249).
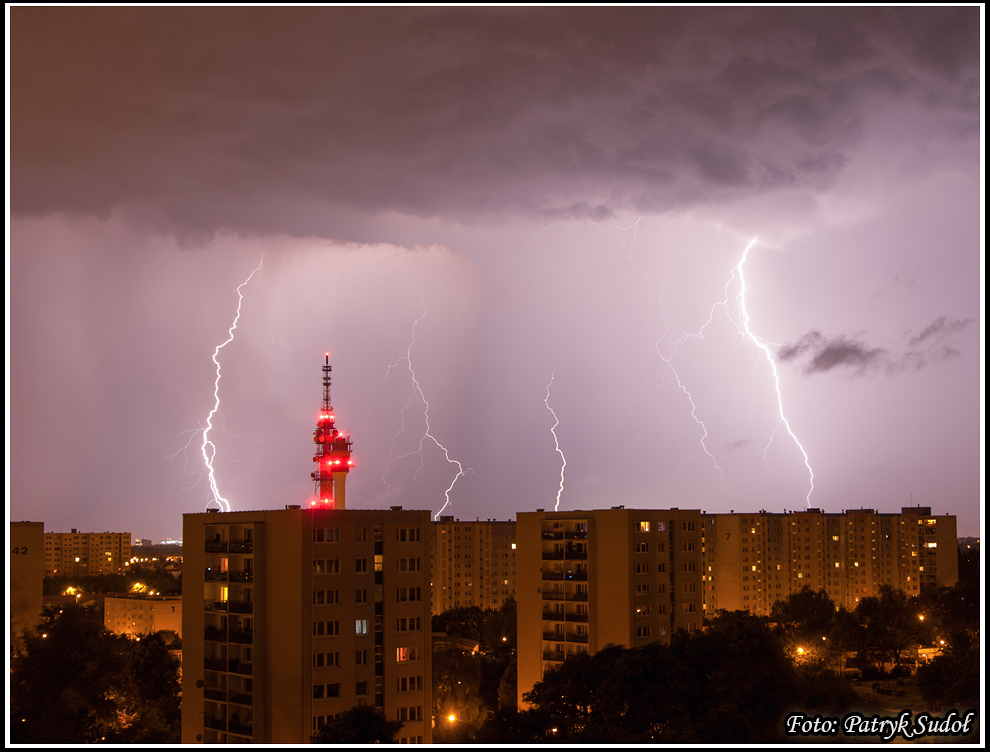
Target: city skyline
(534,220)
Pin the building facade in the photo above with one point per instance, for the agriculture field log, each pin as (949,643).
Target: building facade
(753,559)
(294,616)
(137,615)
(81,554)
(26,569)
(616,576)
(472,563)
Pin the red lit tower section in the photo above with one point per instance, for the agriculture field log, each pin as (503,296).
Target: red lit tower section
(333,453)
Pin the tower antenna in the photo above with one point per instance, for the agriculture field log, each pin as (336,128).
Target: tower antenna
(333,453)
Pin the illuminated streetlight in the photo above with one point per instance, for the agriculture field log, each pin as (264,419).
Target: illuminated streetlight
(451,717)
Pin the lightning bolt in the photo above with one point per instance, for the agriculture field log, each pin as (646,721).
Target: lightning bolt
(209,449)
(556,422)
(418,391)
(745,331)
(272,332)
(669,366)
(741,298)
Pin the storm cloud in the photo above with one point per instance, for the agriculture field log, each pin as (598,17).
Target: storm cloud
(212,118)
(931,345)
(458,203)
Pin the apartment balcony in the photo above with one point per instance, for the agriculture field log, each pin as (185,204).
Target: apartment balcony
(554,596)
(240,667)
(553,616)
(244,638)
(218,695)
(577,617)
(548,656)
(240,607)
(576,555)
(215,635)
(553,636)
(575,637)
(216,547)
(214,605)
(215,664)
(241,698)
(241,547)
(212,575)
(242,576)
(577,535)
(243,729)
(553,556)
(553,536)
(583,597)
(215,723)
(580,575)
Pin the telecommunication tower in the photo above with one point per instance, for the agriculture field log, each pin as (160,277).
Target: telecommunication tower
(333,453)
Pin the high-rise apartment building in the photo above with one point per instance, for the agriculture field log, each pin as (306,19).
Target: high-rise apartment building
(753,559)
(587,579)
(472,563)
(293,616)
(78,553)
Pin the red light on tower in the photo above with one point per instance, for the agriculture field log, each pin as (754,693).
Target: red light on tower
(333,453)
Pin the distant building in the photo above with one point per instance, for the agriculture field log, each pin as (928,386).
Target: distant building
(27,575)
(753,559)
(76,553)
(587,579)
(137,615)
(473,563)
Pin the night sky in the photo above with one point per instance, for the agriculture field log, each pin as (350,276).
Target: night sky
(458,204)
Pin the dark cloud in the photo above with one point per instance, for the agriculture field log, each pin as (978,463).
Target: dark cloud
(737,444)
(215,115)
(940,329)
(827,353)
(930,346)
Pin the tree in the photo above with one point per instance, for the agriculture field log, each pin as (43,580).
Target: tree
(361,724)
(472,686)
(730,683)
(805,614)
(953,678)
(74,682)
(890,621)
(498,631)
(466,621)
(457,678)
(746,679)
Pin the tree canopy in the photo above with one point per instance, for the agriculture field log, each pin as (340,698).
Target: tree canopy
(74,682)
(362,724)
(731,683)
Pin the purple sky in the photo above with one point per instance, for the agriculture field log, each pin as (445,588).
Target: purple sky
(539,192)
